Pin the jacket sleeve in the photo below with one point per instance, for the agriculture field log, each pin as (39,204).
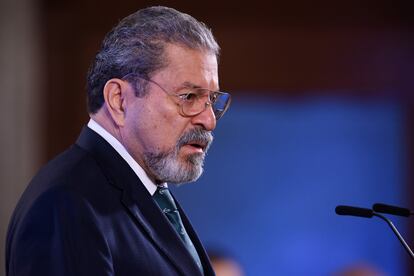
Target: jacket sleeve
(58,234)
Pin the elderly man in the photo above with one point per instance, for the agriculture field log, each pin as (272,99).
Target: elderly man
(103,206)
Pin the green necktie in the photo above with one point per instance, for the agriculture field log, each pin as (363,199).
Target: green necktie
(166,202)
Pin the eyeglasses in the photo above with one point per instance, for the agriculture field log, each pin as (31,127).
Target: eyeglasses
(193,101)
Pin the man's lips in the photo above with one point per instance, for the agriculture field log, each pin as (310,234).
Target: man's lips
(196,146)
(195,141)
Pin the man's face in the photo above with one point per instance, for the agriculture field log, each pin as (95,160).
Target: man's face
(169,145)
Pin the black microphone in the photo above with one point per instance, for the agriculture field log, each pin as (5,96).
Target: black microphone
(390,209)
(368,213)
(344,210)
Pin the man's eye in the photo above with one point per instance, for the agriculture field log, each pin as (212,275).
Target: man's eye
(188,97)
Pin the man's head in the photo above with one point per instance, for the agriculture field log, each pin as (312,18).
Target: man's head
(138,90)
(137,45)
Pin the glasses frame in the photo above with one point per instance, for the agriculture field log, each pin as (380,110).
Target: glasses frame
(181,101)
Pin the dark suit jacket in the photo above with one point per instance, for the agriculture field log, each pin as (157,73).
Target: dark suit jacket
(87,213)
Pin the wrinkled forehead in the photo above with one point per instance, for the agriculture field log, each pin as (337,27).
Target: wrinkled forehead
(189,68)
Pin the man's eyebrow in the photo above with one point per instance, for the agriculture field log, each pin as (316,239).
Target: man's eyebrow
(188,84)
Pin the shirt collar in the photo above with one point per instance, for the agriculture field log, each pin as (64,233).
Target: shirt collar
(139,171)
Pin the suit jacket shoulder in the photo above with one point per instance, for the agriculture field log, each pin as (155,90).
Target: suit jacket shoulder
(86,213)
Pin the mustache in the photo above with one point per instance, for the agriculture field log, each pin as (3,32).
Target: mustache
(196,135)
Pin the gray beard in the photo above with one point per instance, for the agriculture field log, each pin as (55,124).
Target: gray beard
(167,167)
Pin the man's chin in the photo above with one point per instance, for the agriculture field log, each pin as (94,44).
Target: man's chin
(190,171)
(184,168)
(195,159)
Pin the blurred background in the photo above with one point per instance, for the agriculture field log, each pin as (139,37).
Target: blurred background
(322,115)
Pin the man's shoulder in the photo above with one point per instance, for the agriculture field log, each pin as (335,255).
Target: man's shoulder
(70,165)
(74,171)
(71,179)
(67,197)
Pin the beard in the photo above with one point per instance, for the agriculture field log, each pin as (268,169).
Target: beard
(167,166)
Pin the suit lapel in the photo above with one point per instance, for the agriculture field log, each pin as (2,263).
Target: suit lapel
(139,202)
(160,230)
(208,269)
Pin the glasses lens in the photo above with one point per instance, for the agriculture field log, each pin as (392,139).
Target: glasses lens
(193,104)
(219,101)
(221,104)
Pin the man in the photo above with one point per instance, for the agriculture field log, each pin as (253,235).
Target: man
(103,207)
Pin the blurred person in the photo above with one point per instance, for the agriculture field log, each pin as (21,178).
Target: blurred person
(224,264)
(359,270)
(103,206)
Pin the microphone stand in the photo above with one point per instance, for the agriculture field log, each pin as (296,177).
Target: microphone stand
(344,210)
(394,229)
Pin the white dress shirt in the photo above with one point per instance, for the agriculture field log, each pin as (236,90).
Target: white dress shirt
(142,175)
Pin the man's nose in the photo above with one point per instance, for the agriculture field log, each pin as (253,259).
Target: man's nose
(206,118)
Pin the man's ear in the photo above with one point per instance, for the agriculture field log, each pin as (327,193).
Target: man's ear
(114,93)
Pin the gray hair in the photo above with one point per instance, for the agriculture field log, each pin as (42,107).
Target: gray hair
(135,47)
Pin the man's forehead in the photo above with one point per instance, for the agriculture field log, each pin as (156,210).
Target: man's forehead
(189,68)
(176,55)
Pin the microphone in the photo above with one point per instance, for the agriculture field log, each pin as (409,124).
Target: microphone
(344,210)
(390,209)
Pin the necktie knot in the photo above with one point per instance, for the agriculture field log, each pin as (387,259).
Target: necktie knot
(165,201)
